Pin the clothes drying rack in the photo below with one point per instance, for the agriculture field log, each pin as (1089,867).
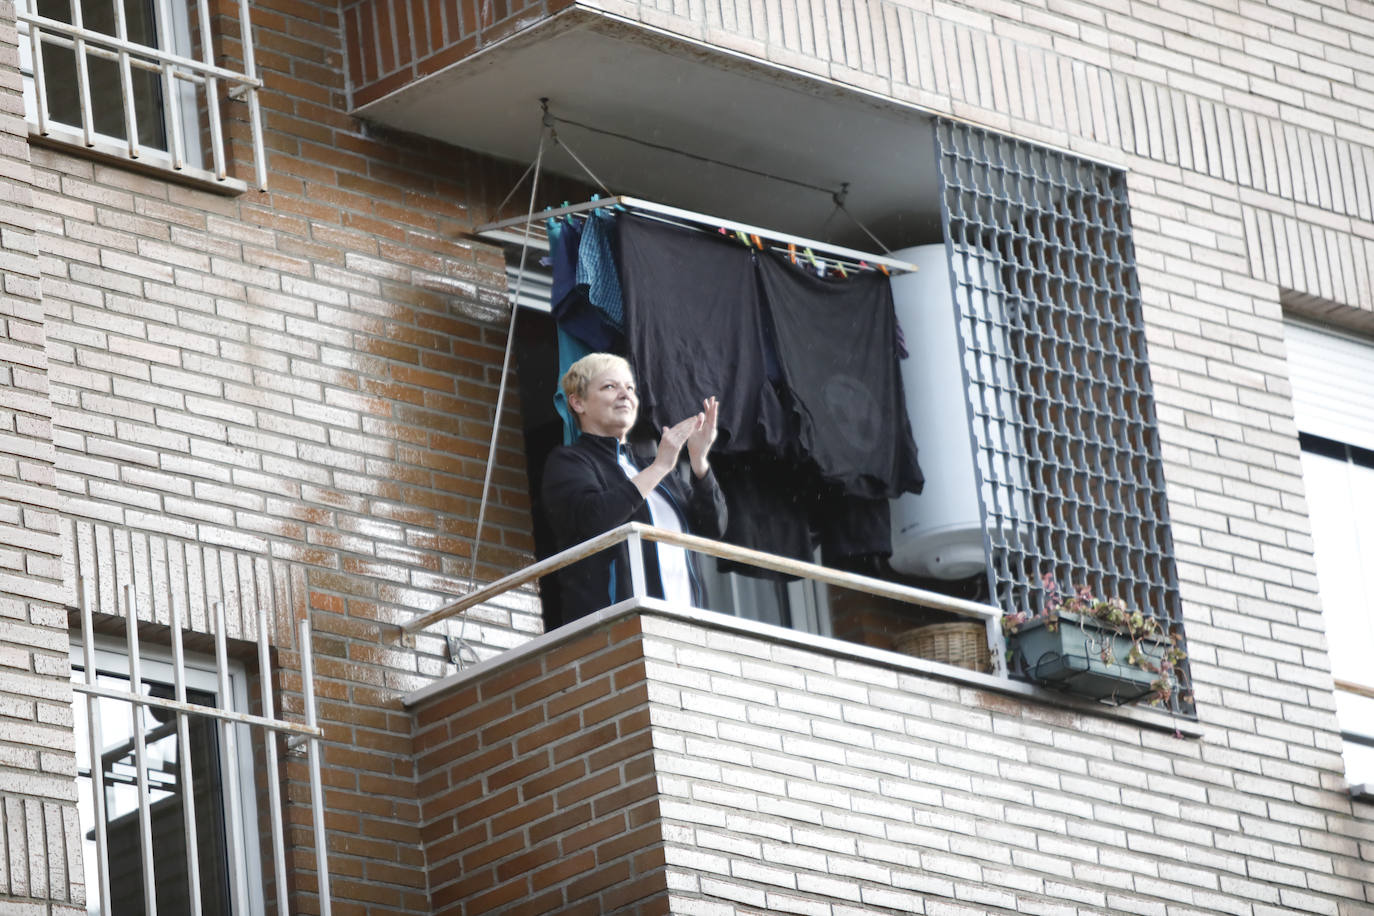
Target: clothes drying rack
(795,246)
(799,249)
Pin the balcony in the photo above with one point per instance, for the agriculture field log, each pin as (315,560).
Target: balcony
(653,757)
(670,114)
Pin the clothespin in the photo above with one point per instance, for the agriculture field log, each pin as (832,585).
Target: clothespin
(739,233)
(792,252)
(811,257)
(757,242)
(839,265)
(883,268)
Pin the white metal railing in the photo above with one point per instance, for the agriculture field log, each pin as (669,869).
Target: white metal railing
(173,70)
(635,533)
(229,721)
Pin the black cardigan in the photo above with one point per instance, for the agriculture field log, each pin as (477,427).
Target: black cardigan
(587,493)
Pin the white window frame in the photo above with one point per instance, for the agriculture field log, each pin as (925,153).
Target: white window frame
(1326,369)
(182,77)
(199,673)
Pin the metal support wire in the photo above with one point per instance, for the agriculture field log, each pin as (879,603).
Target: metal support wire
(505,363)
(549,121)
(840,197)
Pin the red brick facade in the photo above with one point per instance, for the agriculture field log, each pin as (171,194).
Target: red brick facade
(537,787)
(306,374)
(390,43)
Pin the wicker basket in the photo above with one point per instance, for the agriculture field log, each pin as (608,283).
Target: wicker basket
(964,643)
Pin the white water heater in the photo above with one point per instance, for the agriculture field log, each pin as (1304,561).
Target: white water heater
(939,533)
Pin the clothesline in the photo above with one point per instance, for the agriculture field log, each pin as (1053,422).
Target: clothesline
(793,245)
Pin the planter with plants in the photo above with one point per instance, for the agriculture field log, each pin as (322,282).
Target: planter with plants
(1095,648)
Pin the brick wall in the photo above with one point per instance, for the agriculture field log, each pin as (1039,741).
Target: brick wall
(306,376)
(782,776)
(537,785)
(302,378)
(390,44)
(791,776)
(39,864)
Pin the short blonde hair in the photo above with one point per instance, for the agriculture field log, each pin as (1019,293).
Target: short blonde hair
(580,373)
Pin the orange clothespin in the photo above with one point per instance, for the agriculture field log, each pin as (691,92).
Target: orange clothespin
(792,252)
(757,242)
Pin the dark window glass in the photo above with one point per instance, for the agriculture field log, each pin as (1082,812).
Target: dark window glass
(166,808)
(106,89)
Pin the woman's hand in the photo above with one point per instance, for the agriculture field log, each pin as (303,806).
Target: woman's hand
(702,437)
(697,432)
(674,437)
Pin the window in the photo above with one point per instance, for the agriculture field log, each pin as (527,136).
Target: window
(1333,398)
(135,80)
(166,772)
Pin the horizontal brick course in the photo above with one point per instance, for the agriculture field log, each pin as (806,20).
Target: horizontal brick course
(542,798)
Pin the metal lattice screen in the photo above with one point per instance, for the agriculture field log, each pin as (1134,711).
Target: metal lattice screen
(1063,418)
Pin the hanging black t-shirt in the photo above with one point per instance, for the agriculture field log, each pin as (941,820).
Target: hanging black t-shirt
(694,329)
(836,346)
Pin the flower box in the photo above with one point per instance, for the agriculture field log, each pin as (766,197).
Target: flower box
(1088,657)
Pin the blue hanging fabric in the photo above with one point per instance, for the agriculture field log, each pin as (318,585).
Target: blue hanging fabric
(596,269)
(570,350)
(565,236)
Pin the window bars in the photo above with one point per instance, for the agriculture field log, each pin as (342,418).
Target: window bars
(228,722)
(1059,395)
(124,79)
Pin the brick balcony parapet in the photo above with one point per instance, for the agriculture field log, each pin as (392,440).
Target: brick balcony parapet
(650,759)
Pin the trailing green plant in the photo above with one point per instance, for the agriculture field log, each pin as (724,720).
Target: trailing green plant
(1112,614)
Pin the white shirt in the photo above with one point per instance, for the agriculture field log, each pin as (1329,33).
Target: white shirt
(672,560)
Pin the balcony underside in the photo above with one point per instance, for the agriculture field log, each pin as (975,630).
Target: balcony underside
(662,112)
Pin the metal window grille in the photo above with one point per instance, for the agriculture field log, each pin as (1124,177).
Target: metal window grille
(1059,395)
(138,80)
(149,837)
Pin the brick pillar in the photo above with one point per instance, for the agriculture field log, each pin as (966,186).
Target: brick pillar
(40,845)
